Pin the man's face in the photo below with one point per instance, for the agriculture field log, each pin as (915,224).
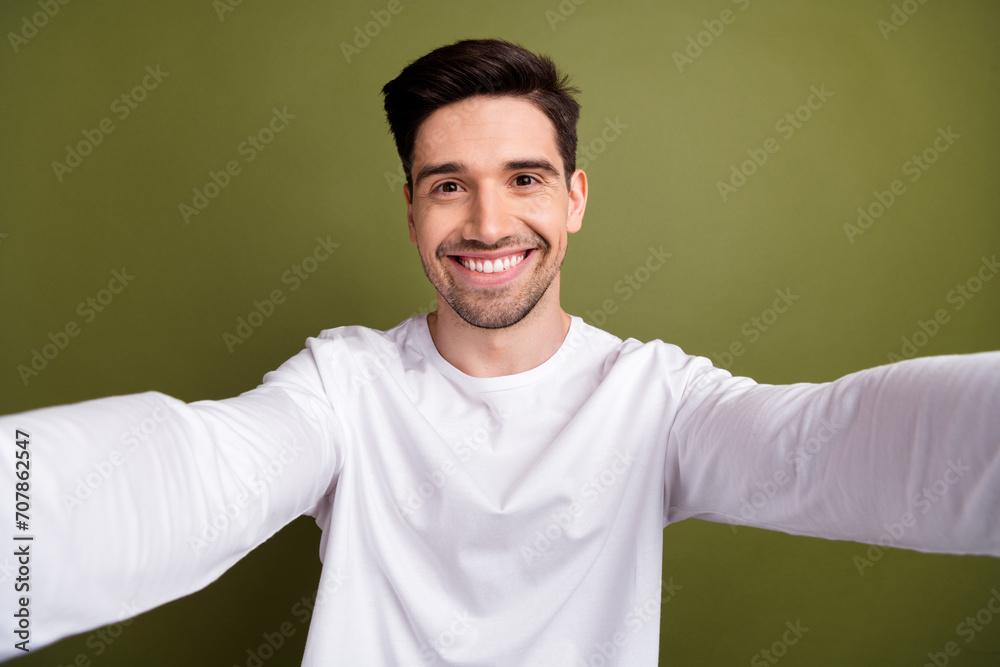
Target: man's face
(489,210)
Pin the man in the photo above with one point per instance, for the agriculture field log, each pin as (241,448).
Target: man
(492,479)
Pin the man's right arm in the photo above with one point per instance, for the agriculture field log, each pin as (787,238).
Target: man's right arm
(134,501)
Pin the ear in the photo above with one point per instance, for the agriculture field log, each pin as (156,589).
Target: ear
(577,201)
(409,214)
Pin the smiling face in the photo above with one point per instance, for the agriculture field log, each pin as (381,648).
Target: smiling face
(490,210)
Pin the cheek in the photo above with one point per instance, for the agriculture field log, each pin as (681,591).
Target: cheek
(551,226)
(544,212)
(427,236)
(435,224)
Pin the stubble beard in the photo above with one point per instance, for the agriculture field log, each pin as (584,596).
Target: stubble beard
(493,307)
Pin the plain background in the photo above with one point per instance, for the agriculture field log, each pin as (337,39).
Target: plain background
(332,172)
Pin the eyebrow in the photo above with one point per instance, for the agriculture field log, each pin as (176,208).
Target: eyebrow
(437,169)
(538,164)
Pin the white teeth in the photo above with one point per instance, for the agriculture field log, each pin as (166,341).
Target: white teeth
(493,266)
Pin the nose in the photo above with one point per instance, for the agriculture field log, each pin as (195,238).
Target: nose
(488,219)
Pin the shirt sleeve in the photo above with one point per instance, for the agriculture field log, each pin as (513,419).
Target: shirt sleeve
(134,501)
(904,455)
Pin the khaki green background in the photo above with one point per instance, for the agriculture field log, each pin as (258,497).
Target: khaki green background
(333,171)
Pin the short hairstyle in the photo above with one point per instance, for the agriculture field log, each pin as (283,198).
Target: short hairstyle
(490,67)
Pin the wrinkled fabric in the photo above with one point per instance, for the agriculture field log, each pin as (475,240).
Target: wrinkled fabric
(514,520)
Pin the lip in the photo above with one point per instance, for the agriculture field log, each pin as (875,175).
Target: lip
(486,279)
(496,254)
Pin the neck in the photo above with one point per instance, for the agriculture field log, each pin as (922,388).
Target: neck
(495,352)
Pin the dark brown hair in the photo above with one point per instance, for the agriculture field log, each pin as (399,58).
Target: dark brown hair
(490,67)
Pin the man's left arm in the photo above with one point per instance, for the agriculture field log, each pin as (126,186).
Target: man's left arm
(908,452)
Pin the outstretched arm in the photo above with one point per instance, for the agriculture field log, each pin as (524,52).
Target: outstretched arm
(137,500)
(907,454)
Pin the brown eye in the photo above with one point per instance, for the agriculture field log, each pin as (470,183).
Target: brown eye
(524,180)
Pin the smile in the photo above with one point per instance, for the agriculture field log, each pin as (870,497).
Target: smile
(498,265)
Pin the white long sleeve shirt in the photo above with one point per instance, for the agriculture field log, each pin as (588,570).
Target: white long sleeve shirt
(514,520)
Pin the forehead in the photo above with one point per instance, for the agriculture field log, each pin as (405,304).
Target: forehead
(484,127)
